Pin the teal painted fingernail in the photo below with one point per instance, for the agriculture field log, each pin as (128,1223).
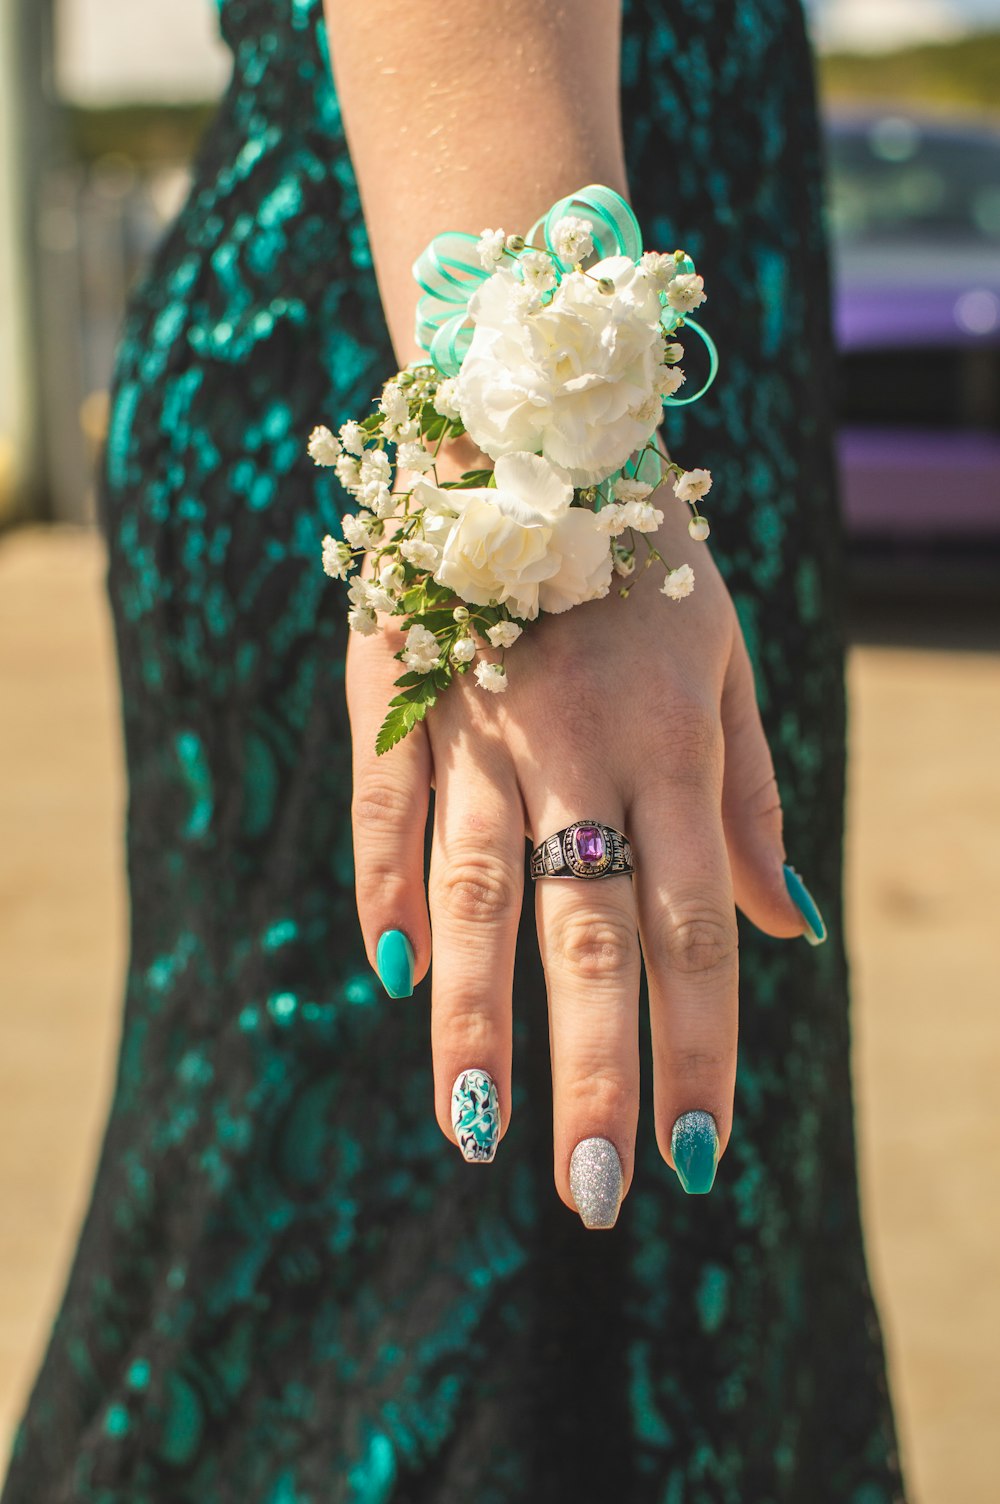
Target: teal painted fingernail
(475,1115)
(394,963)
(805,903)
(694,1145)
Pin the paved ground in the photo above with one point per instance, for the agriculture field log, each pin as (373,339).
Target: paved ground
(924,878)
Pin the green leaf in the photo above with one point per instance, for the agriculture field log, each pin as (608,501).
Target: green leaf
(399,722)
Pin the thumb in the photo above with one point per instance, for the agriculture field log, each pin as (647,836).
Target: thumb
(770,894)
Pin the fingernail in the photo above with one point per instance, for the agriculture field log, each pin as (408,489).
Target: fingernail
(803,900)
(394,963)
(694,1145)
(596,1181)
(475,1115)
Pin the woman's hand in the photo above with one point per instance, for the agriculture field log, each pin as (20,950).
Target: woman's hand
(638,713)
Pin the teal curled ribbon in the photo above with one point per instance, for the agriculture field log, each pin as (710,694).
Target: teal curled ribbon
(449,271)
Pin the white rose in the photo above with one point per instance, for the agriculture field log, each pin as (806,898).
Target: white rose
(519,542)
(563,380)
(678,583)
(693,484)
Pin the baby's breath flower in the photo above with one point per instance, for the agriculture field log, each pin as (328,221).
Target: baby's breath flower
(699,529)
(365,595)
(525,298)
(504,634)
(611,519)
(673,352)
(393,403)
(422,555)
(336,558)
(515,242)
(324,446)
(659,269)
(490,246)
(668,380)
(348,472)
(693,484)
(678,583)
(624,559)
(460,614)
(464,650)
(444,399)
(539,270)
(648,413)
(390,577)
(491,676)
(642,516)
(362,621)
(686,292)
(422,650)
(572,239)
(352,436)
(357,530)
(414,457)
(627,488)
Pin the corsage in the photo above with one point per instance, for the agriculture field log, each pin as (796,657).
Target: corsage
(556,353)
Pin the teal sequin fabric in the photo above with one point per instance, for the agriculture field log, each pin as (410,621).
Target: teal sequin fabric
(290,1288)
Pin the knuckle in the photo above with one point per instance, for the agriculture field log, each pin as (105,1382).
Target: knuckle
(475,889)
(470,1033)
(596,1094)
(379,805)
(700,939)
(596,949)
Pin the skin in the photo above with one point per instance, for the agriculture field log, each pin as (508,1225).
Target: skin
(640,713)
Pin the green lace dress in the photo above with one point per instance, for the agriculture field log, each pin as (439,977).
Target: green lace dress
(290,1288)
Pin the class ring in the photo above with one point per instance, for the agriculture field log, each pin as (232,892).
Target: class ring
(584,849)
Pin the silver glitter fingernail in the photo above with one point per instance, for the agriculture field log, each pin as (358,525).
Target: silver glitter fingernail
(595,1180)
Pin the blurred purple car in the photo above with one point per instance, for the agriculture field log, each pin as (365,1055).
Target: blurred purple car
(915,211)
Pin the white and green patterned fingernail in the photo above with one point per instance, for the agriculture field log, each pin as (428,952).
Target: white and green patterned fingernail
(475,1115)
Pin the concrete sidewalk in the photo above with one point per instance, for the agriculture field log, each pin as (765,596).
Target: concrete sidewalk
(924,881)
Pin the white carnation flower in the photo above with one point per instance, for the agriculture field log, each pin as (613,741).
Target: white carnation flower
(491,676)
(490,246)
(627,488)
(679,582)
(648,413)
(362,621)
(572,239)
(352,436)
(414,457)
(686,292)
(642,516)
(565,381)
(464,650)
(422,650)
(324,446)
(539,270)
(693,484)
(519,542)
(423,555)
(445,399)
(504,634)
(668,380)
(336,558)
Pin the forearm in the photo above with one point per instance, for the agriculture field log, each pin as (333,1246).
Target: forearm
(471,113)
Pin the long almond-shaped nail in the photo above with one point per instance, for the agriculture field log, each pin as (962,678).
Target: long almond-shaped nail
(394,963)
(815,931)
(596,1181)
(694,1145)
(475,1115)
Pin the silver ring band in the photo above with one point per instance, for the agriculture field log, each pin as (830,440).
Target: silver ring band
(584,849)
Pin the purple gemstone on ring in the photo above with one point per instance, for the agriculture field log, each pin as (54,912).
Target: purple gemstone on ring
(589,843)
